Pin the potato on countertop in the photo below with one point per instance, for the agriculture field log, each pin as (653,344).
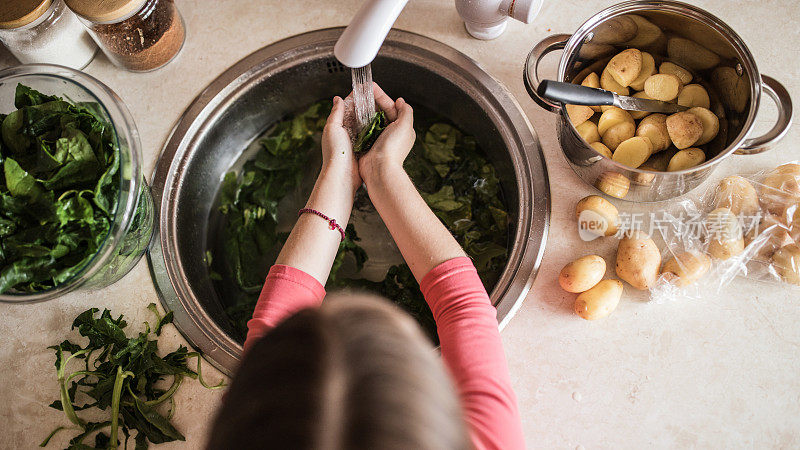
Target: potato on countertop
(738,195)
(787,263)
(614,184)
(725,234)
(599,301)
(582,274)
(606,212)
(638,260)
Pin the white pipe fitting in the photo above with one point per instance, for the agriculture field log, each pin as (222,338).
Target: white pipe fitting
(487,19)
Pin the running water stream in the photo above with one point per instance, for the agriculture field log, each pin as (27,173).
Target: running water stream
(363,96)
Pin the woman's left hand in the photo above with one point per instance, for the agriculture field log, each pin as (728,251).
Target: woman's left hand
(338,159)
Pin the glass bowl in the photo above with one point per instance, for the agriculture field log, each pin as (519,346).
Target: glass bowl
(132,225)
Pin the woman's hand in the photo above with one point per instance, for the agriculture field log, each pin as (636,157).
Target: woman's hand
(394,143)
(338,160)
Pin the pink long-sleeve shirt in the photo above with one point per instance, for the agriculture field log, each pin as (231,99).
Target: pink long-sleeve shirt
(470,341)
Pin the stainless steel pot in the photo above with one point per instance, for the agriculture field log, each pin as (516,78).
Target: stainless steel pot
(277,80)
(688,36)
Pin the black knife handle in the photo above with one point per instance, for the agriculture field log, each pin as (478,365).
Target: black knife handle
(574,94)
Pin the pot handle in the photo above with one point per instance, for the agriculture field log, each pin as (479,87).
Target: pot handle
(783,101)
(530,74)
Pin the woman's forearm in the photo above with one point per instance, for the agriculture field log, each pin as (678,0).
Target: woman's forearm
(312,245)
(418,233)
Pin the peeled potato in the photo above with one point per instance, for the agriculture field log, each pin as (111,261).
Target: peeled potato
(687,267)
(738,195)
(611,117)
(613,183)
(648,69)
(691,54)
(618,133)
(633,152)
(588,131)
(725,234)
(582,274)
(661,86)
(593,81)
(638,260)
(579,114)
(640,114)
(608,83)
(684,129)
(694,95)
(734,90)
(646,34)
(599,301)
(686,159)
(710,123)
(673,69)
(608,214)
(787,263)
(625,66)
(654,127)
(602,149)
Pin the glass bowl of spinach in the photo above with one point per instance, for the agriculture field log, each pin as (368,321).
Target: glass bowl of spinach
(75,211)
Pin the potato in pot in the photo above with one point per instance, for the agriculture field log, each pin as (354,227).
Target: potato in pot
(686,159)
(625,66)
(633,152)
(662,87)
(684,129)
(654,127)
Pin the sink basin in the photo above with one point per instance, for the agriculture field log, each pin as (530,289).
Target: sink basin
(278,80)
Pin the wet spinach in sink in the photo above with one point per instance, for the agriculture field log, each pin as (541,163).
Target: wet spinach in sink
(447,166)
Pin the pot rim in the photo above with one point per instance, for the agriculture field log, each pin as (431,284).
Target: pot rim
(693,12)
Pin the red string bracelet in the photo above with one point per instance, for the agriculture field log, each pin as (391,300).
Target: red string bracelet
(331,222)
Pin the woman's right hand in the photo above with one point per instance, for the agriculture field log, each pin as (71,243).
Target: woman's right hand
(395,142)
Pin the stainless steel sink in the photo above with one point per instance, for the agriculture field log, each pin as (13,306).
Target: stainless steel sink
(282,77)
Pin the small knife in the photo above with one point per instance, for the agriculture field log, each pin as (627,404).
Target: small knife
(575,94)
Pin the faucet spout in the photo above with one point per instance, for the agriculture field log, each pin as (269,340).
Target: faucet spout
(359,43)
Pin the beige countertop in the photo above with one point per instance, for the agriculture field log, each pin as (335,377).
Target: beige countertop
(717,372)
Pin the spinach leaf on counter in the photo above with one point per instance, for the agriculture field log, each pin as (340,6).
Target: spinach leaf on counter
(58,190)
(367,136)
(446,165)
(124,375)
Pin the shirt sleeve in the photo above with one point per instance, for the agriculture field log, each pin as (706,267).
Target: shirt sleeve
(286,291)
(473,352)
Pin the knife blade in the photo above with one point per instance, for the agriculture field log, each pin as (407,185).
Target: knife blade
(575,94)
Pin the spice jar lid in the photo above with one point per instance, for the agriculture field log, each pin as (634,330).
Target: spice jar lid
(18,13)
(101,11)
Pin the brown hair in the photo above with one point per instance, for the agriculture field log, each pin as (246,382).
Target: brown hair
(355,373)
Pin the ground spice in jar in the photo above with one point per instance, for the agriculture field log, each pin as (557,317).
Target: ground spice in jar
(143,41)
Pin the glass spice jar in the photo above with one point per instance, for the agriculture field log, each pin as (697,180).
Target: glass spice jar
(45,31)
(137,35)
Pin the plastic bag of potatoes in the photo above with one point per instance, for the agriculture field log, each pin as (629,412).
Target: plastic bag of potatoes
(749,226)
